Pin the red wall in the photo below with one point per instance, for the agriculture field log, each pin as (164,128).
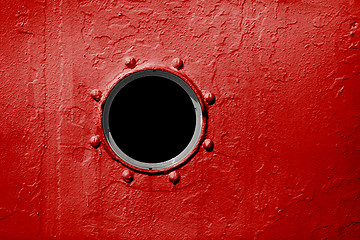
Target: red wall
(285,124)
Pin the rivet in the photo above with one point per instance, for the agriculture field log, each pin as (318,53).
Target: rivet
(177,63)
(96,94)
(95,141)
(127,176)
(208,145)
(209,97)
(130,62)
(174,177)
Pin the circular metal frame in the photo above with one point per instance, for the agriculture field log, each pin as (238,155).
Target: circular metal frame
(192,145)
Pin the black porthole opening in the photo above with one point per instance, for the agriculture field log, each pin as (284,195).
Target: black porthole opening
(152,119)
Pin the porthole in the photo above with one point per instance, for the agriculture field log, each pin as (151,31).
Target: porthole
(152,119)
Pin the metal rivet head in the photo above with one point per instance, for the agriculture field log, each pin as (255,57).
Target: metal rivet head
(174,177)
(130,62)
(96,94)
(127,176)
(177,63)
(95,141)
(208,145)
(209,97)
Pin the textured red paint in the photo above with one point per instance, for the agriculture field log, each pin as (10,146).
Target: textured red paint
(285,124)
